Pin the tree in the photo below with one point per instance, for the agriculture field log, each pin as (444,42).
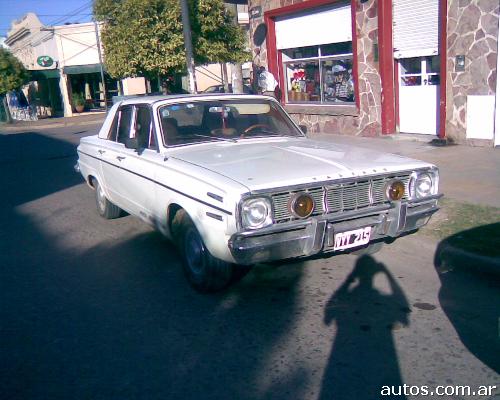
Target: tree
(12,76)
(144,37)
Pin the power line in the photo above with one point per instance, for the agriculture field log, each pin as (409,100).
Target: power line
(71,13)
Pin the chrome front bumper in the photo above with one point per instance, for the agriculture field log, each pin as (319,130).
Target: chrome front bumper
(315,235)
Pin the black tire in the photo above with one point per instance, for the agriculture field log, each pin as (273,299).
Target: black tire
(105,208)
(372,248)
(204,272)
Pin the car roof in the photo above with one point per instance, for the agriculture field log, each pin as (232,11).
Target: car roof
(201,96)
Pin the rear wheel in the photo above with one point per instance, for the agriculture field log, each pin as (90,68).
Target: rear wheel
(105,208)
(203,271)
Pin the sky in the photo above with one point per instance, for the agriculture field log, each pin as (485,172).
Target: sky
(50,12)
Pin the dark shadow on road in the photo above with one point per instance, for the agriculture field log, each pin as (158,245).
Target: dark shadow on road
(118,320)
(363,357)
(470,289)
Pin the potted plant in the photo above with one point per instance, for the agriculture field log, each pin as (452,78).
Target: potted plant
(79,102)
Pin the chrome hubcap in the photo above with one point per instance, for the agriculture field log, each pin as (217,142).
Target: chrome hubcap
(101,199)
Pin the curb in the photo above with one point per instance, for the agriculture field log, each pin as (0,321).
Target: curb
(15,129)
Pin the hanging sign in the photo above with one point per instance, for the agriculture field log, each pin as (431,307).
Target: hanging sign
(255,12)
(45,61)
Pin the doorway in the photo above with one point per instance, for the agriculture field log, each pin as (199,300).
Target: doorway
(419,81)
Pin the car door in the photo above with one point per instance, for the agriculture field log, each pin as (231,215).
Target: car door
(139,165)
(113,154)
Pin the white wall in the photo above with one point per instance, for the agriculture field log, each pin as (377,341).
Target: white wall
(134,86)
(76,44)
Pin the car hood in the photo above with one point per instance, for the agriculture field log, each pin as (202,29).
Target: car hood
(271,163)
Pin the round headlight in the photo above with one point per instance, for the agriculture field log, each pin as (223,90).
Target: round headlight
(301,205)
(395,190)
(423,185)
(256,213)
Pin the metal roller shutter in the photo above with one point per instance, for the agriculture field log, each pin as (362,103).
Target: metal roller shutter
(416,28)
(330,25)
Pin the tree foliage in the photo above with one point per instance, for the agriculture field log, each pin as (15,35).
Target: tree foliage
(144,37)
(12,72)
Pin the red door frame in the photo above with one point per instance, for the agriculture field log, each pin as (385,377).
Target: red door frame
(274,57)
(443,35)
(386,67)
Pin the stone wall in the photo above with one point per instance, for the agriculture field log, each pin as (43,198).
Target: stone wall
(472,31)
(366,121)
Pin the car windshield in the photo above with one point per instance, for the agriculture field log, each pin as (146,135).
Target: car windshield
(223,120)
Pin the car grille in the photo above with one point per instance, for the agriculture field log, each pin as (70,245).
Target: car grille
(338,197)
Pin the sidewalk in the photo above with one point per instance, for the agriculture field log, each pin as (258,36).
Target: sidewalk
(47,123)
(470,174)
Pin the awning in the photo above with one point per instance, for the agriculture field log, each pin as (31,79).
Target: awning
(82,69)
(44,74)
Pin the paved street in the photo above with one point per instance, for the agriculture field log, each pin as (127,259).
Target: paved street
(96,309)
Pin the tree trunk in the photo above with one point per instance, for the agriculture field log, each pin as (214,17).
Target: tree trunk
(237,71)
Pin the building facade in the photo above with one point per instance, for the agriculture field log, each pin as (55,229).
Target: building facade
(63,61)
(373,67)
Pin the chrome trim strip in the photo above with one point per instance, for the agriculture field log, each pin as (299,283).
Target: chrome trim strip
(351,179)
(215,196)
(302,224)
(214,216)
(413,202)
(160,184)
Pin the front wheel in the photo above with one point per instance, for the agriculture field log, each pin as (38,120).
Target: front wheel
(203,271)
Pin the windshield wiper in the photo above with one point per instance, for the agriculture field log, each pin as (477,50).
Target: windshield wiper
(218,138)
(265,133)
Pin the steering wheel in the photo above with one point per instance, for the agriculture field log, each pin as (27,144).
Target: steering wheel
(255,126)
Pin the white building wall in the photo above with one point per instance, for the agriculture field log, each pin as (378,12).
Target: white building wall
(76,44)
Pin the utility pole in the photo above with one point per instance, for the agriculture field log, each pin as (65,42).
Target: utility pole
(98,41)
(188,44)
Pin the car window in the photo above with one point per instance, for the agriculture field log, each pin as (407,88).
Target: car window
(144,128)
(213,120)
(124,124)
(113,130)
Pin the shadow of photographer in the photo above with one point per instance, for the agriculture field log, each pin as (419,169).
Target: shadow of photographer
(367,308)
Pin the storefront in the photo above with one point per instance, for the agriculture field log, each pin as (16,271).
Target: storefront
(312,50)
(316,64)
(86,80)
(44,92)
(368,67)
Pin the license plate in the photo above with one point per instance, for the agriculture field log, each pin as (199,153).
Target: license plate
(354,238)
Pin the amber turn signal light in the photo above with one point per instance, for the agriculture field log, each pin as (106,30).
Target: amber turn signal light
(395,190)
(302,205)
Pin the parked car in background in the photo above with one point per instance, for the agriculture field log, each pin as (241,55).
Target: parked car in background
(220,89)
(233,181)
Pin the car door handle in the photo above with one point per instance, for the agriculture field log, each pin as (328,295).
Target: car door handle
(119,158)
(101,152)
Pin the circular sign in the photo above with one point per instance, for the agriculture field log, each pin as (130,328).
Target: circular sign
(260,34)
(44,61)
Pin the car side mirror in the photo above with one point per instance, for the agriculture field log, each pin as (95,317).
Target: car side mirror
(303,128)
(132,143)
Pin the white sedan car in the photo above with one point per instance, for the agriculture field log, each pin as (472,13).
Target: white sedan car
(233,181)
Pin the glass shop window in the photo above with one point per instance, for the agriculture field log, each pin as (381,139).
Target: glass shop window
(319,74)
